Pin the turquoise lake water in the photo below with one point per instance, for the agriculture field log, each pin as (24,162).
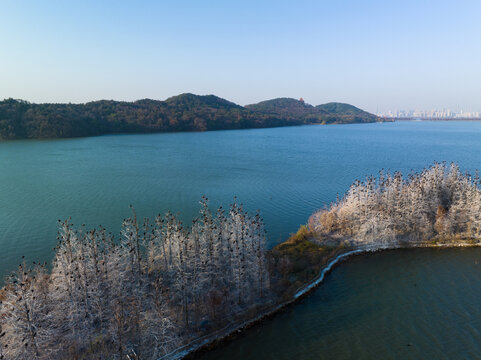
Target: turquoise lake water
(287,173)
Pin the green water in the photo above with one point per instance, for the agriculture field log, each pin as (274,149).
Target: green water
(287,173)
(403,304)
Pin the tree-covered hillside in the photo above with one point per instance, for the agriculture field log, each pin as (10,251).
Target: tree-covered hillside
(298,110)
(285,107)
(186,112)
(340,113)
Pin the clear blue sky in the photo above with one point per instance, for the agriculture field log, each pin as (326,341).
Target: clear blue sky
(384,55)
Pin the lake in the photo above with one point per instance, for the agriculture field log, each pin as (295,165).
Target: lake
(287,173)
(402,304)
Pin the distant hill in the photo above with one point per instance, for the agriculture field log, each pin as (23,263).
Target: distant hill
(286,107)
(344,113)
(186,112)
(327,113)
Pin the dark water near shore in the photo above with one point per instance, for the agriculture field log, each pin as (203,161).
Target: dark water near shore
(402,304)
(287,173)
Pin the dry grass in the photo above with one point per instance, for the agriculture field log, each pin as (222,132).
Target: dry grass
(299,260)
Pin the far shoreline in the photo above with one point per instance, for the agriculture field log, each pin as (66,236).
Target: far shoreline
(183,132)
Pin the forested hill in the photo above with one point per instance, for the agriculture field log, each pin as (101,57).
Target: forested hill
(186,112)
(337,113)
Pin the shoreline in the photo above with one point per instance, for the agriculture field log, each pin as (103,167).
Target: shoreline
(231,331)
(181,131)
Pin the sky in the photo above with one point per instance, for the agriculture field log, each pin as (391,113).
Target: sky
(377,55)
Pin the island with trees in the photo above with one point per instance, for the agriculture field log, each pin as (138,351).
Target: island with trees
(164,290)
(186,112)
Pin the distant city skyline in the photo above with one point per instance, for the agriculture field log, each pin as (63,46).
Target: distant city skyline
(433,113)
(376,55)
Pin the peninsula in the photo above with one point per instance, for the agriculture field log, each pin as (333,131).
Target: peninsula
(186,112)
(165,290)
(437,207)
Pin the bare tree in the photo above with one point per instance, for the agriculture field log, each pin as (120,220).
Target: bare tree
(155,288)
(438,201)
